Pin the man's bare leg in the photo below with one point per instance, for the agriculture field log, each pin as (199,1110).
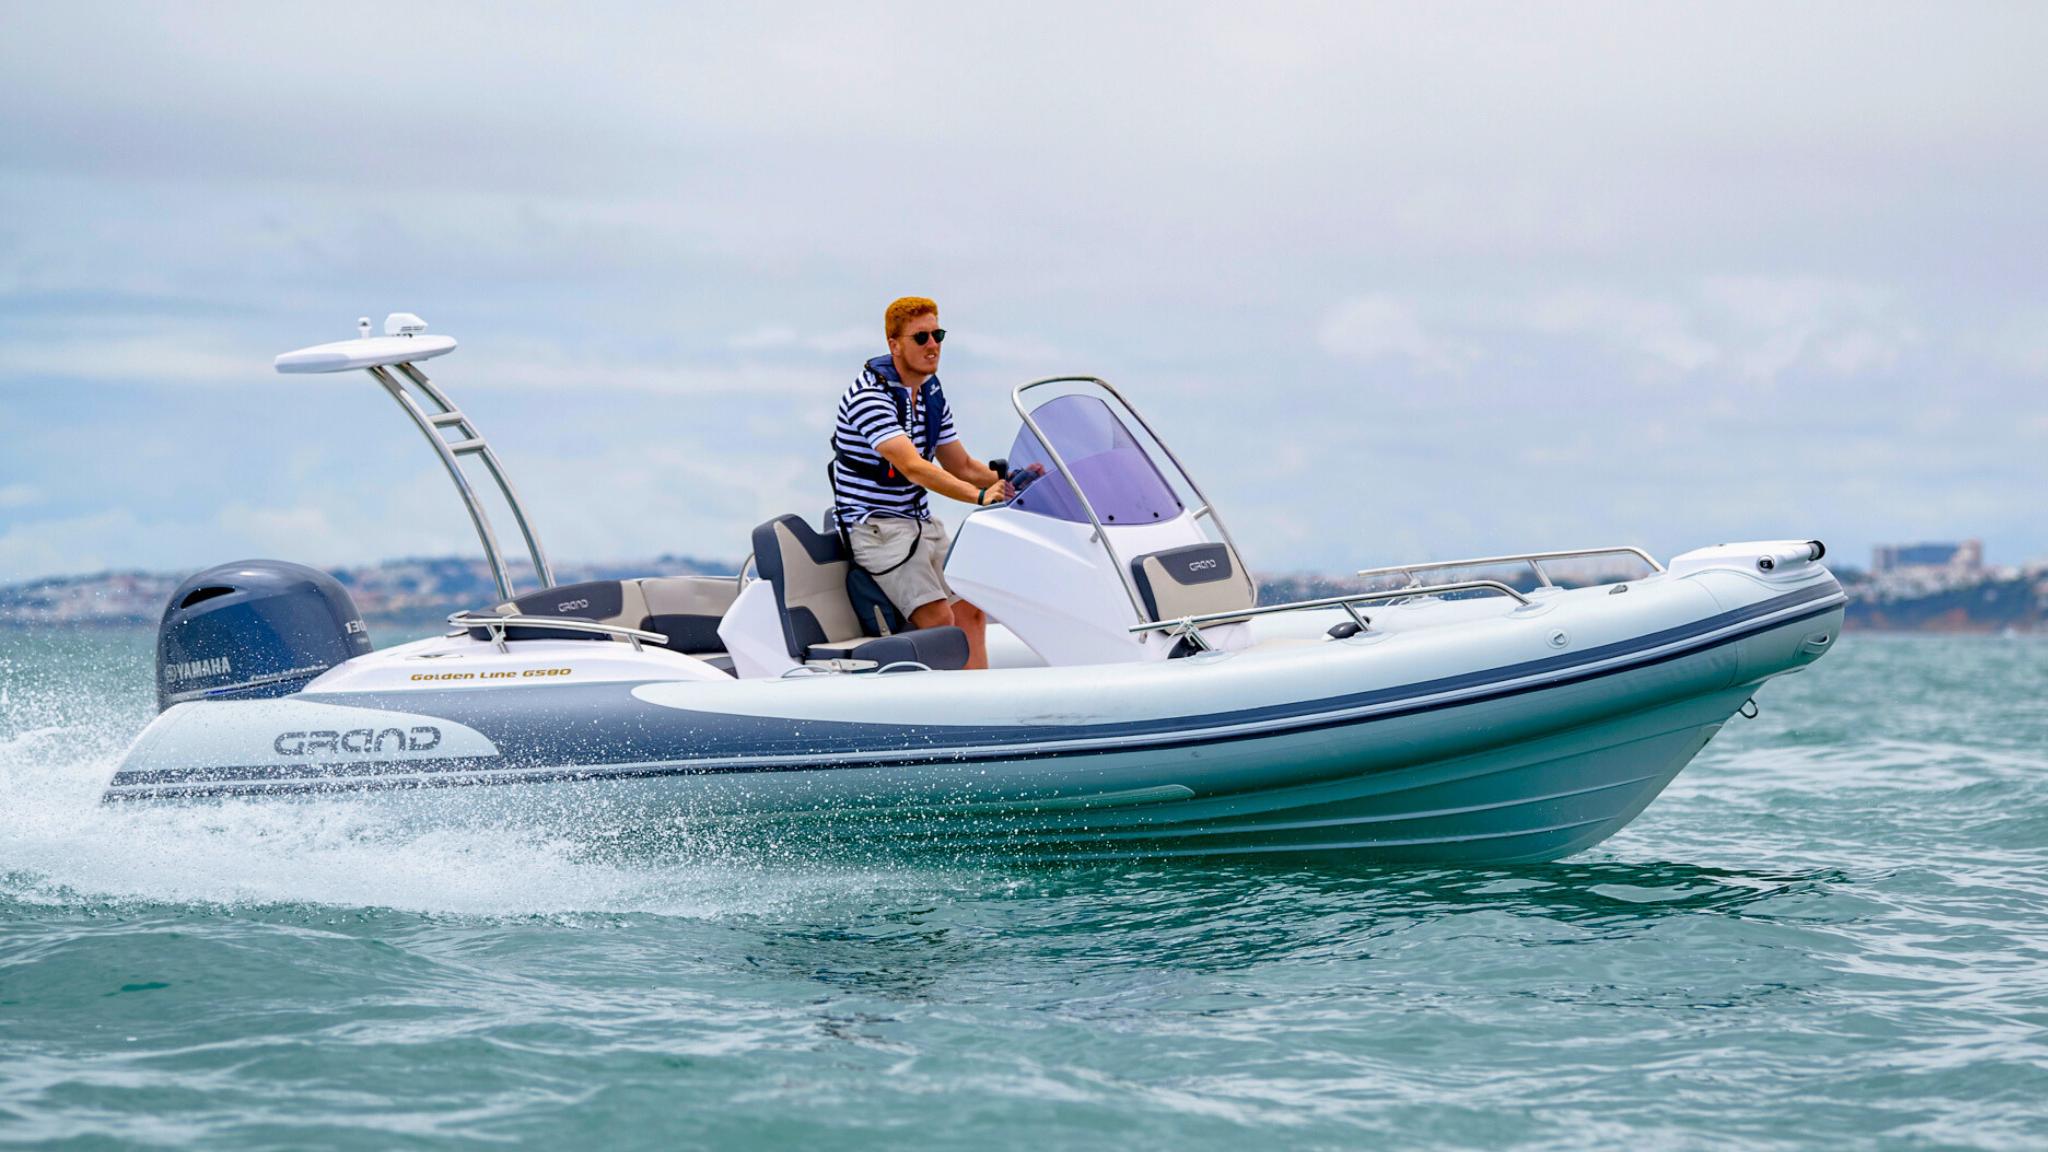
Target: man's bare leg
(961,614)
(974,622)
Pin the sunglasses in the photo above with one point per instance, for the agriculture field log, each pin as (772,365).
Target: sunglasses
(935,336)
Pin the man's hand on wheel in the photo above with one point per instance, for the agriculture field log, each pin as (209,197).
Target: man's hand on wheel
(1024,477)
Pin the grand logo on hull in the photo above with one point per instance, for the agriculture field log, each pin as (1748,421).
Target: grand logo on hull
(358,741)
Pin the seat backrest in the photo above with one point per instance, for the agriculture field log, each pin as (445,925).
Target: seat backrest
(1194,580)
(808,573)
(606,601)
(687,609)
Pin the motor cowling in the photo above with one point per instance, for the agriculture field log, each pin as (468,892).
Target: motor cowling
(252,629)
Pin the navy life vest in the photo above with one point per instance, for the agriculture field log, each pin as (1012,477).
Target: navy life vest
(881,373)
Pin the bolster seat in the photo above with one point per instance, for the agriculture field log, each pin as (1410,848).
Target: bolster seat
(808,571)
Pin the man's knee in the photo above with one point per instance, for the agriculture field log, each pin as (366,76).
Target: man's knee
(937,614)
(967,615)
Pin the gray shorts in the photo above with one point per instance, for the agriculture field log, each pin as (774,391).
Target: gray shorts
(883,542)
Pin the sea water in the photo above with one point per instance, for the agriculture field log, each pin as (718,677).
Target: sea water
(1831,932)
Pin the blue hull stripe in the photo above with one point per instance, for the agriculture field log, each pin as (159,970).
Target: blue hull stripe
(552,733)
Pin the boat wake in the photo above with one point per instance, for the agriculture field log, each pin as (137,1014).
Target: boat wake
(59,845)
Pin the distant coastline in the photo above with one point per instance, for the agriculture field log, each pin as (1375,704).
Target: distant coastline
(411,590)
(427,589)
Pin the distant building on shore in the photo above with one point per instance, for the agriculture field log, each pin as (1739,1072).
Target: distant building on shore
(1961,559)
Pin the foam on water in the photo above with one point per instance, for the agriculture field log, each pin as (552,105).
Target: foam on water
(63,732)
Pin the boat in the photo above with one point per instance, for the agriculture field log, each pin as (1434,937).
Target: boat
(1141,701)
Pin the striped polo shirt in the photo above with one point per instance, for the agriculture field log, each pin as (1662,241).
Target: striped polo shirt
(867,417)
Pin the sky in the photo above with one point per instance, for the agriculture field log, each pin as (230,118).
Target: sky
(1396,282)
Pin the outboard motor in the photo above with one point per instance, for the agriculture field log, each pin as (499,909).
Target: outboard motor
(253,628)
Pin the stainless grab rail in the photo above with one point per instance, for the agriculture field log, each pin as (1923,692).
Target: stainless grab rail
(496,626)
(1190,626)
(1533,559)
(1123,571)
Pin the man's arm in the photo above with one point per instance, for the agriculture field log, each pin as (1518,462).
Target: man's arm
(941,477)
(954,458)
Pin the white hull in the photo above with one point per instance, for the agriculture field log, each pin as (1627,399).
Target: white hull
(1464,731)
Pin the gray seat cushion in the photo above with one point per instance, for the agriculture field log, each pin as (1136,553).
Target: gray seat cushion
(1196,580)
(686,609)
(940,649)
(606,601)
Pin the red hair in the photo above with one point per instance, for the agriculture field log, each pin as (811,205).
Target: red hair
(903,311)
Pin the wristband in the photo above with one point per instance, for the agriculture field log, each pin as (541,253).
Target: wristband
(981,498)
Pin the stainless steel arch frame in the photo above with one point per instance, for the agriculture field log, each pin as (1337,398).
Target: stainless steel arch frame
(467,442)
(1123,572)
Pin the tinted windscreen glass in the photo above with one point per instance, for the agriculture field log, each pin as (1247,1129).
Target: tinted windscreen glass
(1119,478)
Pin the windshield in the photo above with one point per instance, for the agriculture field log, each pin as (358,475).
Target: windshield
(1120,479)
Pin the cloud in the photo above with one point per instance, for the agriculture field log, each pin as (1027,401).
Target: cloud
(1754,328)
(121,346)
(1773,323)
(1661,331)
(158,360)
(765,337)
(20,496)
(841,343)
(2018,342)
(108,538)
(999,348)
(1861,351)
(1380,326)
(554,368)
(275,529)
(782,337)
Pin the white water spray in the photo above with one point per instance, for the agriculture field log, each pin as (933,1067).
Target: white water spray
(64,726)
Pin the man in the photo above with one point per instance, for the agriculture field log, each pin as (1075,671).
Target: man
(895,443)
